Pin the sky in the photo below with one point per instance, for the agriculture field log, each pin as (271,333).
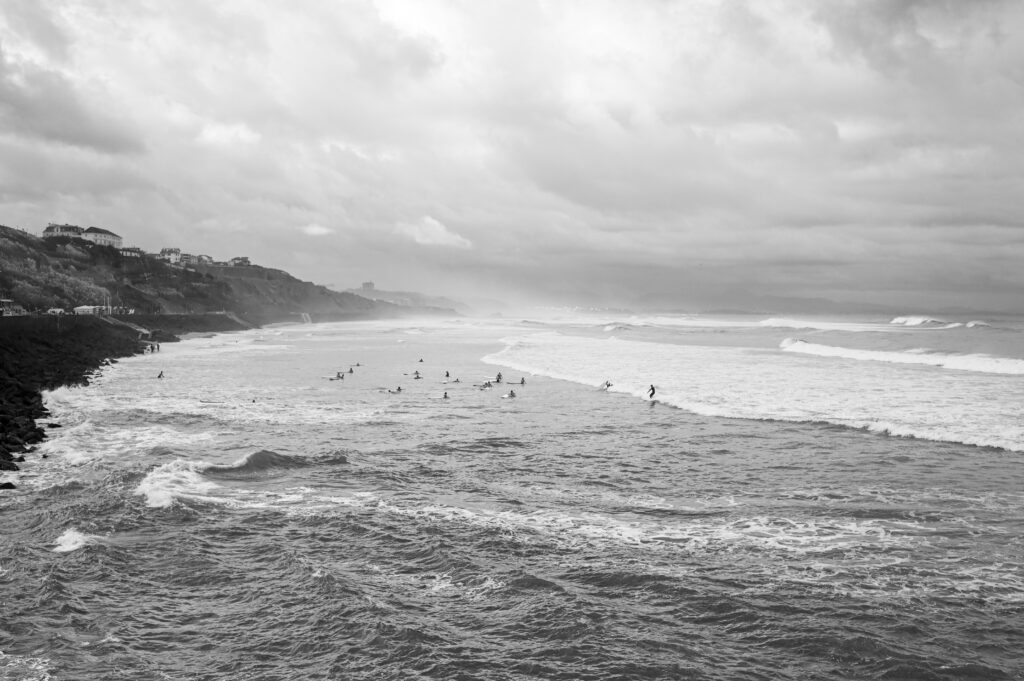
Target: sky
(671,154)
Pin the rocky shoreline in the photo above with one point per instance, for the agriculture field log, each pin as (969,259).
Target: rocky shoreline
(43,353)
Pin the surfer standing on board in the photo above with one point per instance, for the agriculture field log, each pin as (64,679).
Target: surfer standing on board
(650,393)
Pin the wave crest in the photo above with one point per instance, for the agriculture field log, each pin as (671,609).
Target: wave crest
(979,363)
(916,321)
(257,464)
(72,540)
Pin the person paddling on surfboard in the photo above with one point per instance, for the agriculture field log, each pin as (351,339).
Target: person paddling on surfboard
(650,393)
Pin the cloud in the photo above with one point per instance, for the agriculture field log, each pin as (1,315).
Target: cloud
(571,148)
(46,105)
(314,229)
(428,231)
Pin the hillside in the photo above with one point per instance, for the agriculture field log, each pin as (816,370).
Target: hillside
(66,272)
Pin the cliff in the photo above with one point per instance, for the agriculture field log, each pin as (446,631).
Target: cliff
(66,272)
(42,352)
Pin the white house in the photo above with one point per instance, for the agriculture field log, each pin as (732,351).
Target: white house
(89,309)
(55,230)
(102,237)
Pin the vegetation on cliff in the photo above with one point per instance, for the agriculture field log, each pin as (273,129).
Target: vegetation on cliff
(66,272)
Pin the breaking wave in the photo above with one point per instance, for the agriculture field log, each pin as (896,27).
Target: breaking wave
(884,396)
(980,363)
(258,464)
(926,322)
(72,540)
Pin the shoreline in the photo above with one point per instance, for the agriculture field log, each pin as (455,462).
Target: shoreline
(44,353)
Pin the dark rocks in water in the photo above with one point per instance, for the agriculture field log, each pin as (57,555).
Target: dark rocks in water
(7,485)
(43,353)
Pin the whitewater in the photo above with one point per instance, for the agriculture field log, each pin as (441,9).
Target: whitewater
(820,497)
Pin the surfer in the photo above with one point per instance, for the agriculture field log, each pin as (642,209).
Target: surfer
(498,378)
(511,393)
(350,370)
(522,381)
(608,384)
(161,375)
(446,374)
(650,393)
(446,396)
(339,376)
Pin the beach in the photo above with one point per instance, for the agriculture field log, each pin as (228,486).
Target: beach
(804,498)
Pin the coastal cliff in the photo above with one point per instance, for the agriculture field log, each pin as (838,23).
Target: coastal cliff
(66,272)
(41,352)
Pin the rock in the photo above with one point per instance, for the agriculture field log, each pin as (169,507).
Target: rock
(7,485)
(8,466)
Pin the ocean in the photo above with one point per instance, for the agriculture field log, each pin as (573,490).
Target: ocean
(804,498)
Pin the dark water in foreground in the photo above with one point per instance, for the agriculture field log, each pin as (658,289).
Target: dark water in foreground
(334,530)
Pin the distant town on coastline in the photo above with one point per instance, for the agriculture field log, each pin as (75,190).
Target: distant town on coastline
(103,237)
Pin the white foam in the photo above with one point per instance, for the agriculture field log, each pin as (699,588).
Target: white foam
(72,540)
(177,479)
(980,363)
(916,321)
(692,321)
(821,325)
(903,398)
(24,668)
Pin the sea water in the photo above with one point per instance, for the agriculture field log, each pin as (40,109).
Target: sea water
(803,498)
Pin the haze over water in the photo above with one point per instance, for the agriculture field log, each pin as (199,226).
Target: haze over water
(806,498)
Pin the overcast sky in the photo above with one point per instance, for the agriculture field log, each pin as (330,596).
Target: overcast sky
(658,151)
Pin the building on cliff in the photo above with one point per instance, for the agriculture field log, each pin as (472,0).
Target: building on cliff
(9,308)
(171,255)
(54,230)
(102,237)
(97,235)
